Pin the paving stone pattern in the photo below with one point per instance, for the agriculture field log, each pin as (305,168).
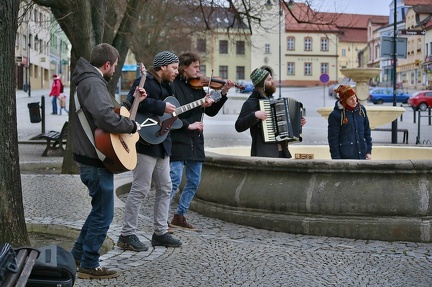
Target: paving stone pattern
(221,253)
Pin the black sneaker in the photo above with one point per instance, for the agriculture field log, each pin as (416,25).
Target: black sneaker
(131,242)
(97,273)
(165,240)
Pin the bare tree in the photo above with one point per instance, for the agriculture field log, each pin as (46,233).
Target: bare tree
(86,24)
(12,220)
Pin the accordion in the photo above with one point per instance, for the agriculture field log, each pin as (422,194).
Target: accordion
(283,122)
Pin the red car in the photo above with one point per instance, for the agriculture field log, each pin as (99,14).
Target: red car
(421,100)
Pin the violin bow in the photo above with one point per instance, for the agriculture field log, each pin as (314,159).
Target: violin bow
(208,89)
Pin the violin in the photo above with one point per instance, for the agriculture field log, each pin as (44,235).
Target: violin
(216,83)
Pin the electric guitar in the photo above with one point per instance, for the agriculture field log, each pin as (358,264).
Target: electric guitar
(155,129)
(119,149)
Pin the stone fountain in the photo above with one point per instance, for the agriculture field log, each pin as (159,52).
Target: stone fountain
(378,115)
(387,198)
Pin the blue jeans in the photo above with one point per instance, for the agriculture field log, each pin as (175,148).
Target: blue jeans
(100,183)
(54,104)
(193,179)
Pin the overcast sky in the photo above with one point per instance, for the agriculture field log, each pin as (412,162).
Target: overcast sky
(371,7)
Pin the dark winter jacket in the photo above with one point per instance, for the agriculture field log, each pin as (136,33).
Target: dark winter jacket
(153,105)
(189,144)
(98,109)
(247,120)
(351,140)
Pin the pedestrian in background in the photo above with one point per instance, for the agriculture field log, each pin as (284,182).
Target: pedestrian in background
(349,134)
(55,93)
(62,100)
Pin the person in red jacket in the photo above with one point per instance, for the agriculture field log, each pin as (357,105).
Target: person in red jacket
(55,92)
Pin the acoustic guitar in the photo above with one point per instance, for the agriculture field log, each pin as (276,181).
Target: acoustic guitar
(120,149)
(155,129)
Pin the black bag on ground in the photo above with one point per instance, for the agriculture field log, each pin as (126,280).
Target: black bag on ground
(55,266)
(7,261)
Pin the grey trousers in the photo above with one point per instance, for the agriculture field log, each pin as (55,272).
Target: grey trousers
(149,168)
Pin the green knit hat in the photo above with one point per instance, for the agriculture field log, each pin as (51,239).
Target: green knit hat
(258,77)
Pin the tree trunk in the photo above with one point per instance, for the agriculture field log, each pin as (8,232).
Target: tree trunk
(12,220)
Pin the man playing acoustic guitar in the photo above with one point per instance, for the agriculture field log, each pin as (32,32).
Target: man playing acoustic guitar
(153,159)
(91,79)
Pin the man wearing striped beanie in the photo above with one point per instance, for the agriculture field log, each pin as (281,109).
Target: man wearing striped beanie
(153,159)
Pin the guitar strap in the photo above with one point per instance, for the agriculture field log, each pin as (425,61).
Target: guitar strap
(86,126)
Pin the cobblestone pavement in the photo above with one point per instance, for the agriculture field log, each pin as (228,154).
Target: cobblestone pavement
(220,253)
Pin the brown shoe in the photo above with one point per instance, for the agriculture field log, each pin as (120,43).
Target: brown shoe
(180,221)
(97,273)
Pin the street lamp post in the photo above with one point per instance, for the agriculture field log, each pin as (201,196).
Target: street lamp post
(28,57)
(60,61)
(28,68)
(269,5)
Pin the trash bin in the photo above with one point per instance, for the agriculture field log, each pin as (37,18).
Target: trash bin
(34,110)
(25,88)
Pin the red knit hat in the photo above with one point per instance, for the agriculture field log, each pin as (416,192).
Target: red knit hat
(344,91)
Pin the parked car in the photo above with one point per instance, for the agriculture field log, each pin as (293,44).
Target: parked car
(421,100)
(385,95)
(248,87)
(345,81)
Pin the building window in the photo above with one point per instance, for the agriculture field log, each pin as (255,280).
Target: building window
(267,49)
(36,44)
(290,43)
(223,47)
(223,72)
(240,47)
(308,44)
(324,44)
(324,68)
(427,49)
(343,52)
(17,40)
(240,72)
(308,69)
(201,45)
(203,69)
(290,68)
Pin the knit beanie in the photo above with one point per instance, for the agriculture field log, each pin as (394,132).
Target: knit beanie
(164,59)
(344,91)
(258,77)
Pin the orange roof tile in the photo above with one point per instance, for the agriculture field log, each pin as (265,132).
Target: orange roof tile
(416,2)
(353,27)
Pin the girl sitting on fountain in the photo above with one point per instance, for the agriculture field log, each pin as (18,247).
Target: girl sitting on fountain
(349,134)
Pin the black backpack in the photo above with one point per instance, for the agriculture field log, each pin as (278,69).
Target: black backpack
(55,266)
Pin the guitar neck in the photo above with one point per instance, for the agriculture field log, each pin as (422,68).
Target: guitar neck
(134,108)
(188,107)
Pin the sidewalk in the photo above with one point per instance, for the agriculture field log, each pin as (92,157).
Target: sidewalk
(221,254)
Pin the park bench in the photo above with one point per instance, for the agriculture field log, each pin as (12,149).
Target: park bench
(55,140)
(404,131)
(25,260)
